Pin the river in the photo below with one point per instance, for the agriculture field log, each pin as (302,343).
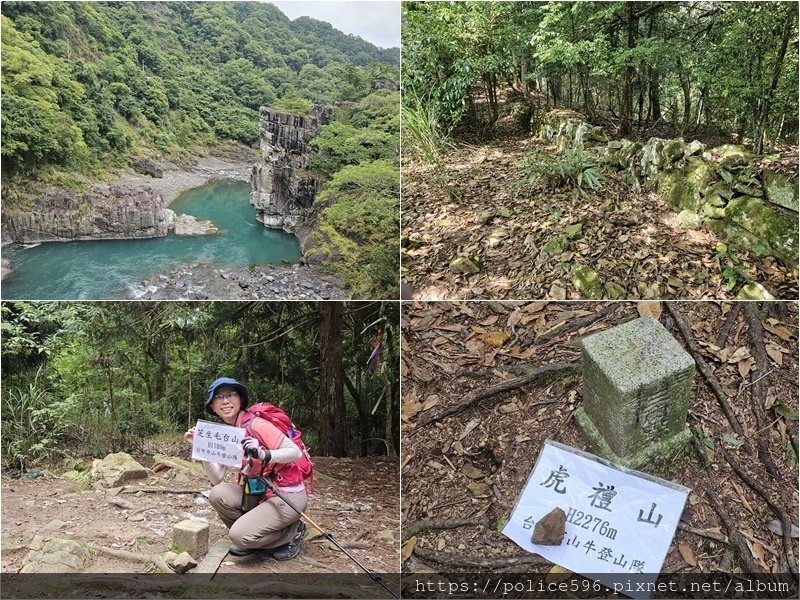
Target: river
(109,269)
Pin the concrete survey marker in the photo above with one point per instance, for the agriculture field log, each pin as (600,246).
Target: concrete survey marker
(637,380)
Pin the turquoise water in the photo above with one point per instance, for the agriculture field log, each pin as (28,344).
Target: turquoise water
(111,268)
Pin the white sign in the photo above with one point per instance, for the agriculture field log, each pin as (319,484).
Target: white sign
(619,522)
(214,442)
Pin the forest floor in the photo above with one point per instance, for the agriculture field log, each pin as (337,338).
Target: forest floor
(466,457)
(475,207)
(356,500)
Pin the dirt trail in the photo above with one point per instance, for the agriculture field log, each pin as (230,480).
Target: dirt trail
(356,500)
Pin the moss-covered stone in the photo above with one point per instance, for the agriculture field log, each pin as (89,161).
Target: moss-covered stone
(712,211)
(637,380)
(698,173)
(573,231)
(777,227)
(688,219)
(587,281)
(754,291)
(781,190)
(464,265)
(673,150)
(614,291)
(731,155)
(556,245)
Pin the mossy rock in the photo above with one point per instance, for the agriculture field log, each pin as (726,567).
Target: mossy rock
(556,245)
(673,150)
(587,281)
(781,190)
(673,189)
(711,211)
(731,155)
(688,219)
(754,291)
(614,291)
(464,265)
(777,227)
(698,173)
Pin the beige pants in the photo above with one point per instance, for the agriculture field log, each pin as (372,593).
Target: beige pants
(270,524)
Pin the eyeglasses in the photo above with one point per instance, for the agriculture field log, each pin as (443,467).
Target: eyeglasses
(225,396)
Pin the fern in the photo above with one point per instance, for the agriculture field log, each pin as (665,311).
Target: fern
(576,169)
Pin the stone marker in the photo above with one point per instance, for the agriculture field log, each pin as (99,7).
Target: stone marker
(191,536)
(636,384)
(549,530)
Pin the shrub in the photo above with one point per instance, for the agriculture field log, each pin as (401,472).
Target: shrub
(575,169)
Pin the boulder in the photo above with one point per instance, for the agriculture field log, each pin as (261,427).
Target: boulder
(712,211)
(731,155)
(50,553)
(189,225)
(587,281)
(145,166)
(116,469)
(781,190)
(693,148)
(673,150)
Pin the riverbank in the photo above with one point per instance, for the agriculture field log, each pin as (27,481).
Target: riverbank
(203,281)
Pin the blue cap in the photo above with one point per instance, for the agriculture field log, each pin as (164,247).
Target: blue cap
(229,382)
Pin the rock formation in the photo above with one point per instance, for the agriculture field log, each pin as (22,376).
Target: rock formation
(102,212)
(720,188)
(281,181)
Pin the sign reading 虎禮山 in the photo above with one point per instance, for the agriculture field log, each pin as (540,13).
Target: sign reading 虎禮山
(218,443)
(619,522)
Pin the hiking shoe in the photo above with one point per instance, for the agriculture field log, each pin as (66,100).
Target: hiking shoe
(238,551)
(292,549)
(286,552)
(298,536)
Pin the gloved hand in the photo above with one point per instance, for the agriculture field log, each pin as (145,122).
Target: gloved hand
(255,450)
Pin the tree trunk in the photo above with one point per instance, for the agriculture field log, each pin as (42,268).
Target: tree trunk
(626,103)
(654,112)
(332,434)
(766,104)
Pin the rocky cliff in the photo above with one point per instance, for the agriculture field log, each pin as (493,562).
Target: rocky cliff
(281,181)
(102,212)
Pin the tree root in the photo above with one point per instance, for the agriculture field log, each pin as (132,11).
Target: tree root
(735,537)
(707,373)
(575,324)
(758,392)
(453,560)
(511,384)
(144,558)
(425,524)
(725,331)
(777,510)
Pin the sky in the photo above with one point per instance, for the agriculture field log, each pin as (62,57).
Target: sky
(376,21)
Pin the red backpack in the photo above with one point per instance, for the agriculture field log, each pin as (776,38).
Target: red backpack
(303,466)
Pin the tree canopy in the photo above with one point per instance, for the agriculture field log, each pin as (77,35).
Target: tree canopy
(88,82)
(730,65)
(100,377)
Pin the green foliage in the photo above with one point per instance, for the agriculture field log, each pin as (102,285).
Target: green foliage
(422,131)
(33,424)
(575,169)
(358,228)
(731,269)
(85,80)
(92,378)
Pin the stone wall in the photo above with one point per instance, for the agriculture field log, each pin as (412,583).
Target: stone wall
(720,188)
(102,212)
(281,182)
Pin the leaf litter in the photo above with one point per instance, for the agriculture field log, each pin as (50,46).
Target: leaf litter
(491,446)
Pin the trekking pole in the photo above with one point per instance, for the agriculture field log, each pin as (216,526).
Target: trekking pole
(329,537)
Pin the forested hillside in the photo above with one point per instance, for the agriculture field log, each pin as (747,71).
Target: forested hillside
(88,84)
(91,378)
(725,66)
(600,149)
